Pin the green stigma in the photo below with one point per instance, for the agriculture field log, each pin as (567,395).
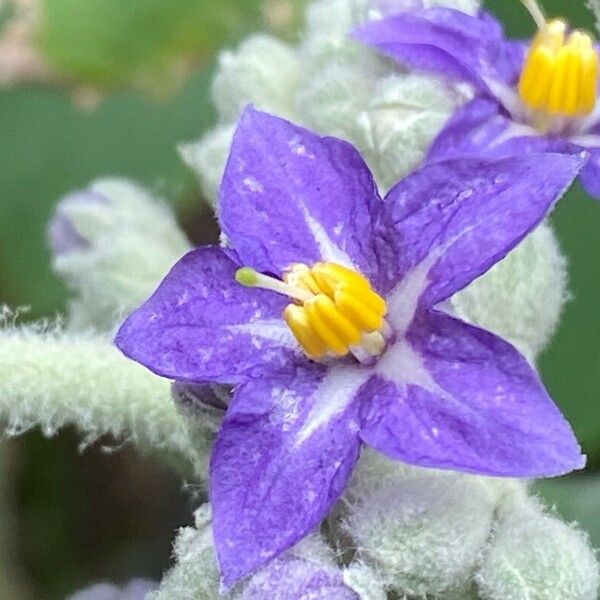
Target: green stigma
(246,276)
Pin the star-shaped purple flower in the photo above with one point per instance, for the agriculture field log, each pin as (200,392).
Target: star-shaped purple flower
(419,385)
(529,97)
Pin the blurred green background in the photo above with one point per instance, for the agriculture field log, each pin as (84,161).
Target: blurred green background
(152,60)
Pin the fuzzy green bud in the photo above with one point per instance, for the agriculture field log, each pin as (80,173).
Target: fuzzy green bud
(535,555)
(113,243)
(247,76)
(422,530)
(520,298)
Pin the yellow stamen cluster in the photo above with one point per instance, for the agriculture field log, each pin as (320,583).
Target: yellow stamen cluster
(341,313)
(561,73)
(335,309)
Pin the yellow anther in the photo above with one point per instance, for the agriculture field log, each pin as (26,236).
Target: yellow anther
(367,296)
(358,306)
(560,75)
(589,77)
(346,314)
(331,275)
(297,320)
(329,324)
(335,310)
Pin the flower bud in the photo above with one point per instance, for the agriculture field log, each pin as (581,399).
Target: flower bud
(263,71)
(534,555)
(112,243)
(63,236)
(364,581)
(207,158)
(423,531)
(393,117)
(521,297)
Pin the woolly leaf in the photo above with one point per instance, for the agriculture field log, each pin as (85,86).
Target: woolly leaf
(50,379)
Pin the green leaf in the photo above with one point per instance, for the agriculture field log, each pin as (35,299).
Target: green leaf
(571,366)
(108,43)
(6,13)
(49,148)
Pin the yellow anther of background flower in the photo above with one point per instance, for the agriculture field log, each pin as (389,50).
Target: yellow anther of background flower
(335,309)
(560,75)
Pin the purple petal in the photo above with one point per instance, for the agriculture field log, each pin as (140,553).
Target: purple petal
(469,402)
(514,53)
(289,195)
(294,578)
(476,129)
(590,175)
(282,458)
(483,128)
(202,326)
(456,219)
(447,42)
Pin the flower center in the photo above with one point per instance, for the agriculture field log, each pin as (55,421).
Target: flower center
(560,75)
(335,309)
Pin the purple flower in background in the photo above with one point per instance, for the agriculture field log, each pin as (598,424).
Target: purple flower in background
(336,339)
(528,97)
(293,577)
(136,589)
(63,236)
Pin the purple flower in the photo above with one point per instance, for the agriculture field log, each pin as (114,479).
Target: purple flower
(292,577)
(63,236)
(362,281)
(136,589)
(528,97)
